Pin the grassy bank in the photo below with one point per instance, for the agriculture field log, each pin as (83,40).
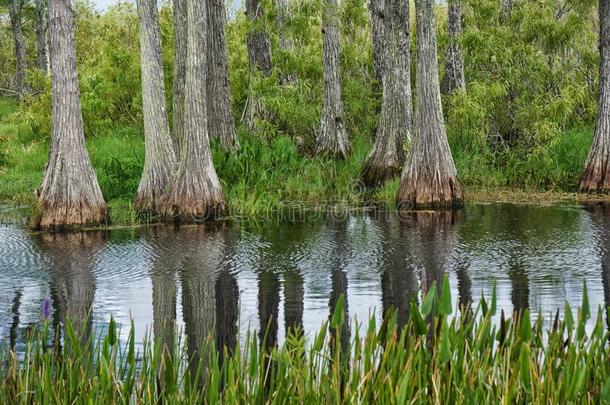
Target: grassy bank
(269,174)
(439,355)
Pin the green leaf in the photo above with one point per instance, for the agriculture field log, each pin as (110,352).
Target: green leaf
(586,310)
(446,297)
(494,299)
(526,326)
(568,317)
(418,321)
(428,301)
(445,349)
(337,319)
(112,336)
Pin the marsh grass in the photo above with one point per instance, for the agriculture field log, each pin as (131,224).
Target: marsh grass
(441,355)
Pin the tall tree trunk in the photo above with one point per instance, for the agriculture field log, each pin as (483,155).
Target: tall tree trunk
(596,177)
(160,159)
(387,157)
(331,138)
(221,123)
(259,59)
(429,178)
(378,29)
(507,6)
(15,10)
(178,84)
(70,195)
(454,56)
(41,35)
(196,194)
(282,15)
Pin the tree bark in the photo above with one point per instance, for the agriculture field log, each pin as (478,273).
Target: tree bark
(70,195)
(221,123)
(331,138)
(15,11)
(596,177)
(160,159)
(378,38)
(196,194)
(178,84)
(454,56)
(387,157)
(282,15)
(429,178)
(507,6)
(259,58)
(41,35)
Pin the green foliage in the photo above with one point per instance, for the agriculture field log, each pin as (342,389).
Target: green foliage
(456,357)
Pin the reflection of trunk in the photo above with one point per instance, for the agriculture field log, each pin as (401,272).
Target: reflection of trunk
(15,322)
(227,311)
(72,257)
(429,177)
(268,307)
(293,301)
(464,285)
(339,288)
(434,236)
(332,137)
(600,216)
(520,293)
(15,11)
(203,253)
(399,284)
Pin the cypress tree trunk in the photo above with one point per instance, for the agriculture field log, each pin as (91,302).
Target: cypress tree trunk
(387,157)
(282,10)
(331,138)
(259,59)
(454,56)
(15,9)
(507,6)
(196,194)
(596,177)
(70,195)
(429,178)
(41,35)
(221,123)
(160,159)
(378,29)
(178,89)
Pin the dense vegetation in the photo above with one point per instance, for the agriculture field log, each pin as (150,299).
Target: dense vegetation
(525,121)
(438,355)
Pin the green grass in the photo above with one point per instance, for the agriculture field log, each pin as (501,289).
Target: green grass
(441,355)
(271,174)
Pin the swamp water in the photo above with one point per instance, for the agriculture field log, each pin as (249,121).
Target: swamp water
(270,276)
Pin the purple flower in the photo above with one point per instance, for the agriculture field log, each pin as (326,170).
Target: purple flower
(46,308)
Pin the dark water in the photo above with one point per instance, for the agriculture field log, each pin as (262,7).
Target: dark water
(218,279)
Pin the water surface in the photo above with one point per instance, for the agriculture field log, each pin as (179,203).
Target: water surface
(279,274)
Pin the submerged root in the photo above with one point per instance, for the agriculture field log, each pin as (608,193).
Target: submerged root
(64,218)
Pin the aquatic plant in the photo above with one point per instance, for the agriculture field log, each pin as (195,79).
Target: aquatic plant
(440,355)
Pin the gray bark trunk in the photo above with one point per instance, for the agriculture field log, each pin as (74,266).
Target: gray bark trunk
(596,177)
(178,89)
(454,56)
(429,178)
(378,29)
(41,35)
(196,194)
(507,6)
(282,15)
(331,138)
(20,72)
(221,123)
(70,195)
(387,157)
(259,59)
(160,159)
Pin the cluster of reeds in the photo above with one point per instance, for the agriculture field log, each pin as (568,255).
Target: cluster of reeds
(437,356)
